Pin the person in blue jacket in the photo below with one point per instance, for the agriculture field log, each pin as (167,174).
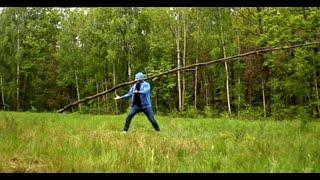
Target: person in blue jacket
(140,102)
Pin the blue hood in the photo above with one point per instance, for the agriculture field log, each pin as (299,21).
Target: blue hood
(139,76)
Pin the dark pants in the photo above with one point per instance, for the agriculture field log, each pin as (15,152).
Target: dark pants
(147,111)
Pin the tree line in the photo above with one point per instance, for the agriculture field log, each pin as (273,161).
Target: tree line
(50,57)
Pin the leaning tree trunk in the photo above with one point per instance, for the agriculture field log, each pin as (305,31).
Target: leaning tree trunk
(206,63)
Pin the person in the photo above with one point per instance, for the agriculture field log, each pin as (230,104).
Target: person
(140,102)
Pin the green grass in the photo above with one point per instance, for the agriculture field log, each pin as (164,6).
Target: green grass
(49,142)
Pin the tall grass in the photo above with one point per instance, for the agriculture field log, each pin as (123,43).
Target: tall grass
(48,142)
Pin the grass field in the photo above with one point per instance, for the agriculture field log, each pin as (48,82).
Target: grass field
(50,142)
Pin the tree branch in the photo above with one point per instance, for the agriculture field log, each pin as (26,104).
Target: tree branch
(227,59)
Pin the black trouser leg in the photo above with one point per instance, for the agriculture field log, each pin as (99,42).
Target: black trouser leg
(149,113)
(132,113)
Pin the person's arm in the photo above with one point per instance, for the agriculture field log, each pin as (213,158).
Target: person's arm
(145,89)
(126,96)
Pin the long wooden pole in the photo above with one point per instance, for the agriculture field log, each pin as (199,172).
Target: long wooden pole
(227,59)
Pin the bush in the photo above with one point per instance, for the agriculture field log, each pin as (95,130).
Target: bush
(304,117)
(211,113)
(291,113)
(251,113)
(189,112)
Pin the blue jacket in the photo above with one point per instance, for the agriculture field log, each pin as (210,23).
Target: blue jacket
(144,94)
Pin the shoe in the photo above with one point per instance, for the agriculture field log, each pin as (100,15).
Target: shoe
(124,132)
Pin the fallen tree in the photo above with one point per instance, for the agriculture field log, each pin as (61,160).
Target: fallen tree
(185,68)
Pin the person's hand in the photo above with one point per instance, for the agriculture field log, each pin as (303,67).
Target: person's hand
(117,98)
(135,91)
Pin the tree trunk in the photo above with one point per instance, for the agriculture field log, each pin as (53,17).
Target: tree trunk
(206,88)
(114,82)
(129,75)
(23,100)
(184,61)
(77,86)
(2,94)
(259,58)
(18,89)
(317,94)
(239,93)
(157,103)
(263,89)
(97,87)
(239,79)
(129,70)
(226,67)
(264,99)
(178,66)
(18,73)
(316,90)
(265,74)
(249,91)
(195,84)
(196,79)
(227,86)
(196,68)
(106,97)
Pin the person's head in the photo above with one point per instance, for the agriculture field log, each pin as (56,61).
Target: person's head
(139,76)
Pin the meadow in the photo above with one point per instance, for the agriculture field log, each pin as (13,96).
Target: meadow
(51,142)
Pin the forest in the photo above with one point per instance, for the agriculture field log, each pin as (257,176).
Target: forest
(50,57)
